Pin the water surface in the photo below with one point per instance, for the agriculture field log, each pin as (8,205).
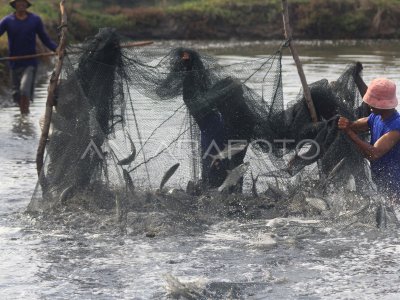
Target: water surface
(230,259)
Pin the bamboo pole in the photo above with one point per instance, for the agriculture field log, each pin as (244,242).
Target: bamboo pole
(52,89)
(288,35)
(136,44)
(22,57)
(45,54)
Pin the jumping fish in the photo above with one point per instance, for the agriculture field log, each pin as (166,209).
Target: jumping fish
(275,192)
(381,216)
(332,173)
(234,176)
(254,185)
(298,162)
(130,158)
(168,175)
(228,152)
(66,194)
(330,176)
(351,184)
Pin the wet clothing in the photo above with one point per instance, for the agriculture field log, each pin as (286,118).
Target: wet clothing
(22,41)
(219,110)
(230,101)
(386,170)
(210,122)
(212,140)
(22,38)
(212,130)
(23,82)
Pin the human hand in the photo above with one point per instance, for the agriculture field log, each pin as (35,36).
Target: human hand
(344,124)
(57,51)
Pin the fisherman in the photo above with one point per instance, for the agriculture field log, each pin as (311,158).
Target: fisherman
(227,122)
(217,104)
(22,27)
(330,100)
(239,121)
(383,151)
(208,119)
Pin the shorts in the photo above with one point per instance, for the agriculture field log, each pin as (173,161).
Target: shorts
(23,82)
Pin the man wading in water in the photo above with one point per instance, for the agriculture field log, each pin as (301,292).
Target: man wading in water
(22,28)
(384,125)
(210,122)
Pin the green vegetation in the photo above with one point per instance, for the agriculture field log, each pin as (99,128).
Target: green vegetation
(222,19)
(219,19)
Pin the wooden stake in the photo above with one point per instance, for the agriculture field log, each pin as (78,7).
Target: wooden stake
(288,35)
(51,89)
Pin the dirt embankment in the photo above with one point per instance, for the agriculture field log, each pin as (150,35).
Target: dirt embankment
(315,19)
(246,20)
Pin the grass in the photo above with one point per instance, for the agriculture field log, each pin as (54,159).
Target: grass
(313,16)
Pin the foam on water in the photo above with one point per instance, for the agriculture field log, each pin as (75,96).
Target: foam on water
(167,253)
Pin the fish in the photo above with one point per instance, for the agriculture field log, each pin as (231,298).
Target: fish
(121,212)
(334,171)
(299,161)
(277,222)
(229,151)
(185,290)
(168,175)
(317,203)
(351,184)
(66,194)
(234,176)
(331,175)
(131,157)
(254,185)
(381,216)
(275,192)
(128,180)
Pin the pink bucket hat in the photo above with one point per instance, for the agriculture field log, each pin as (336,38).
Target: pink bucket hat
(381,94)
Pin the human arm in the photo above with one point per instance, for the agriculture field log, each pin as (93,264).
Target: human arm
(382,146)
(44,37)
(3,26)
(361,125)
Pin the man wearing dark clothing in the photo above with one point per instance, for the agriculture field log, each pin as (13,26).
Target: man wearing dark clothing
(22,28)
(210,122)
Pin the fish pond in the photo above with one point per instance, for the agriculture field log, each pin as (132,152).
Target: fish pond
(173,251)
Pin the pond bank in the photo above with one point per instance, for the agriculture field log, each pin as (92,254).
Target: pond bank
(212,19)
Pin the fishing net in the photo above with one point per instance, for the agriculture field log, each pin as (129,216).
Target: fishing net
(132,123)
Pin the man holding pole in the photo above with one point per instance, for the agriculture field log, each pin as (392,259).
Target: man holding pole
(22,27)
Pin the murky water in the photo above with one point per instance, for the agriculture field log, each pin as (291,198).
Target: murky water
(45,257)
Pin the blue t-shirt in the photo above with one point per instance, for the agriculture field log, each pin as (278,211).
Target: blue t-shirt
(22,37)
(386,170)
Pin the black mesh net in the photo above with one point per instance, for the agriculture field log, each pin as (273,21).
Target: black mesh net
(134,125)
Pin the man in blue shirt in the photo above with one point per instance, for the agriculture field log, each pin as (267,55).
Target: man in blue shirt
(22,28)
(383,151)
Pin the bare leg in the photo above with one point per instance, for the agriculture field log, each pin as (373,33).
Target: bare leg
(26,88)
(24,105)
